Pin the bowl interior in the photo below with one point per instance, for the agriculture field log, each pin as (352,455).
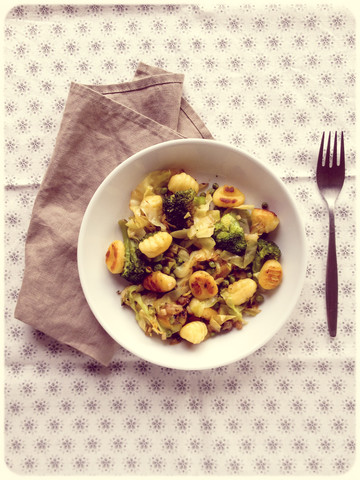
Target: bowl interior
(207,161)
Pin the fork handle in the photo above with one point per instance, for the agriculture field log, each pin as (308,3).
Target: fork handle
(332,278)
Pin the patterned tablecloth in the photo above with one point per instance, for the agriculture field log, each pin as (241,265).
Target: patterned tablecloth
(269,79)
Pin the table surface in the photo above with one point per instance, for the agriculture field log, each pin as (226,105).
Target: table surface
(266,79)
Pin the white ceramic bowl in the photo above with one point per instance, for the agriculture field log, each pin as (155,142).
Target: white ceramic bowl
(207,161)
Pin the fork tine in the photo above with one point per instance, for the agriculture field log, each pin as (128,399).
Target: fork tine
(327,155)
(321,151)
(342,153)
(334,159)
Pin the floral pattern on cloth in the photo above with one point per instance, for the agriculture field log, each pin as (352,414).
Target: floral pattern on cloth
(266,79)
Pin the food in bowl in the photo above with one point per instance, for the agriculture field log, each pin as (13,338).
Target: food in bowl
(197,258)
(210,161)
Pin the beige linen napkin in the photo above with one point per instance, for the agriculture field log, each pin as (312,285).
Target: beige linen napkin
(101,127)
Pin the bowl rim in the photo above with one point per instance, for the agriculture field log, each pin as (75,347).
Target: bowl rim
(178,142)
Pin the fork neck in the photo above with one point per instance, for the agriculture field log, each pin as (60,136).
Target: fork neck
(331,220)
(330,199)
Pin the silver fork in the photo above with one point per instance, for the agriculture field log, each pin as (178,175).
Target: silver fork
(330,178)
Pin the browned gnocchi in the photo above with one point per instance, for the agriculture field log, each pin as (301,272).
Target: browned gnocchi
(228,196)
(115,257)
(270,275)
(159,282)
(263,221)
(202,285)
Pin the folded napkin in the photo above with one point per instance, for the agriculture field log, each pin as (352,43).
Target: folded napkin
(102,125)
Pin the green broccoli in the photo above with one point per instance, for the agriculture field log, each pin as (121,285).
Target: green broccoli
(177,208)
(229,234)
(266,250)
(135,266)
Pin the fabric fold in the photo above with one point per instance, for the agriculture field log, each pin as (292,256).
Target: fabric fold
(102,125)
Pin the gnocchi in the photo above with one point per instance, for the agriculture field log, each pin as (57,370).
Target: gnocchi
(194,332)
(203,285)
(182,181)
(263,221)
(152,204)
(159,282)
(115,257)
(228,196)
(241,291)
(156,244)
(270,275)
(184,284)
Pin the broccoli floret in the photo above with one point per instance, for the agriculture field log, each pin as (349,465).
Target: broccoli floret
(177,208)
(266,250)
(135,266)
(229,234)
